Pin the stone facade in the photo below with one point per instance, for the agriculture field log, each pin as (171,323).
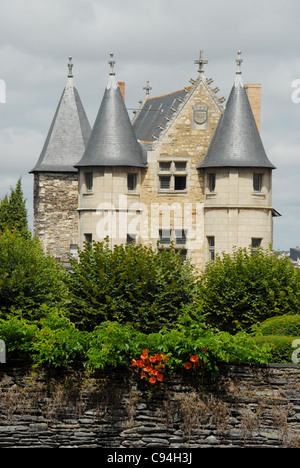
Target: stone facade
(55,212)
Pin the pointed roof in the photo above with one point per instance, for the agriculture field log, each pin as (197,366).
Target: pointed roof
(236,141)
(68,134)
(156,114)
(113,141)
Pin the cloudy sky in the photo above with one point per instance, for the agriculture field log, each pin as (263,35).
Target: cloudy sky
(155,40)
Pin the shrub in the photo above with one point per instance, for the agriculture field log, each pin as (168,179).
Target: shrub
(130,284)
(244,288)
(285,325)
(28,277)
(280,347)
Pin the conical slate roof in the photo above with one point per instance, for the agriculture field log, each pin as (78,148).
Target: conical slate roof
(68,134)
(113,141)
(236,141)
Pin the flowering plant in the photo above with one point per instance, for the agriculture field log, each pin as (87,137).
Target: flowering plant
(152,367)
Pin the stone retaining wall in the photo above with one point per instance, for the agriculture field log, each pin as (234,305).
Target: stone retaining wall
(247,406)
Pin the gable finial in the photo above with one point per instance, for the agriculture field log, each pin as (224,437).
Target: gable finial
(201,62)
(70,66)
(112,64)
(147,88)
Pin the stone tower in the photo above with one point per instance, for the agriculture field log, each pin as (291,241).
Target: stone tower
(111,171)
(56,179)
(237,178)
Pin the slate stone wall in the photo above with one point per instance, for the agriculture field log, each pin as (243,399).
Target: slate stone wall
(247,406)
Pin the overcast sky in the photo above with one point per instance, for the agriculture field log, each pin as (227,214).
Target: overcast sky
(155,40)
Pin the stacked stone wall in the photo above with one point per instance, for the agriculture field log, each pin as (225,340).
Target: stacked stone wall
(246,407)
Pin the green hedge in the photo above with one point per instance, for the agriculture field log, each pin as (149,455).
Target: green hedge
(285,325)
(280,347)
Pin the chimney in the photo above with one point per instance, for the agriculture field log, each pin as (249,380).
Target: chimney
(254,95)
(122,88)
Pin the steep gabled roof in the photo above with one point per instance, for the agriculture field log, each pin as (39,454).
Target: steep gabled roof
(68,134)
(113,141)
(236,141)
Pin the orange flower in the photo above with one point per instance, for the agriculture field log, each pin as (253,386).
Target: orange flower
(194,358)
(139,363)
(144,356)
(154,372)
(147,368)
(188,365)
(152,359)
(160,377)
(143,375)
(133,362)
(152,380)
(158,357)
(145,351)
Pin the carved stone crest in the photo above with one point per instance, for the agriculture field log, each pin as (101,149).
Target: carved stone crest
(200,114)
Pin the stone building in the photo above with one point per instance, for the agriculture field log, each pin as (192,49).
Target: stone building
(185,171)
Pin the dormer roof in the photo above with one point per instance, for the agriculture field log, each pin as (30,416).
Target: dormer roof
(68,134)
(236,141)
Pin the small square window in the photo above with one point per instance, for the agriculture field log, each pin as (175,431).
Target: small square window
(164,182)
(165,166)
(165,236)
(180,166)
(256,244)
(180,236)
(88,238)
(179,182)
(131,182)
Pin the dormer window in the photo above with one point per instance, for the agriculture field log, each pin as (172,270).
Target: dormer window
(211,182)
(131,182)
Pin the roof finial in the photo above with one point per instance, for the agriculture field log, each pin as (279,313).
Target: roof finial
(147,88)
(112,63)
(201,62)
(239,62)
(70,66)
(238,77)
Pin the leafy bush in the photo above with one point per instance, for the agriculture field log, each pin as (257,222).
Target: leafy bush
(244,288)
(280,347)
(28,276)
(18,335)
(285,325)
(130,284)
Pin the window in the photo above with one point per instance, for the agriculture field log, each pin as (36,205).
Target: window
(257,182)
(172,176)
(211,182)
(131,238)
(211,247)
(255,244)
(165,236)
(88,180)
(164,182)
(131,182)
(176,236)
(88,238)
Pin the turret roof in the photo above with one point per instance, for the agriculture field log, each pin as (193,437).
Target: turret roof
(236,141)
(68,134)
(113,141)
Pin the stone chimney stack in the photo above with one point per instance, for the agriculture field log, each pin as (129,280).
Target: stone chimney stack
(254,95)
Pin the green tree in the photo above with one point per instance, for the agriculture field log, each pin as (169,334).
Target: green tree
(248,287)
(13,213)
(28,276)
(130,284)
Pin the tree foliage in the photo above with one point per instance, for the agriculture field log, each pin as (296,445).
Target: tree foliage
(130,284)
(247,287)
(13,212)
(28,276)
